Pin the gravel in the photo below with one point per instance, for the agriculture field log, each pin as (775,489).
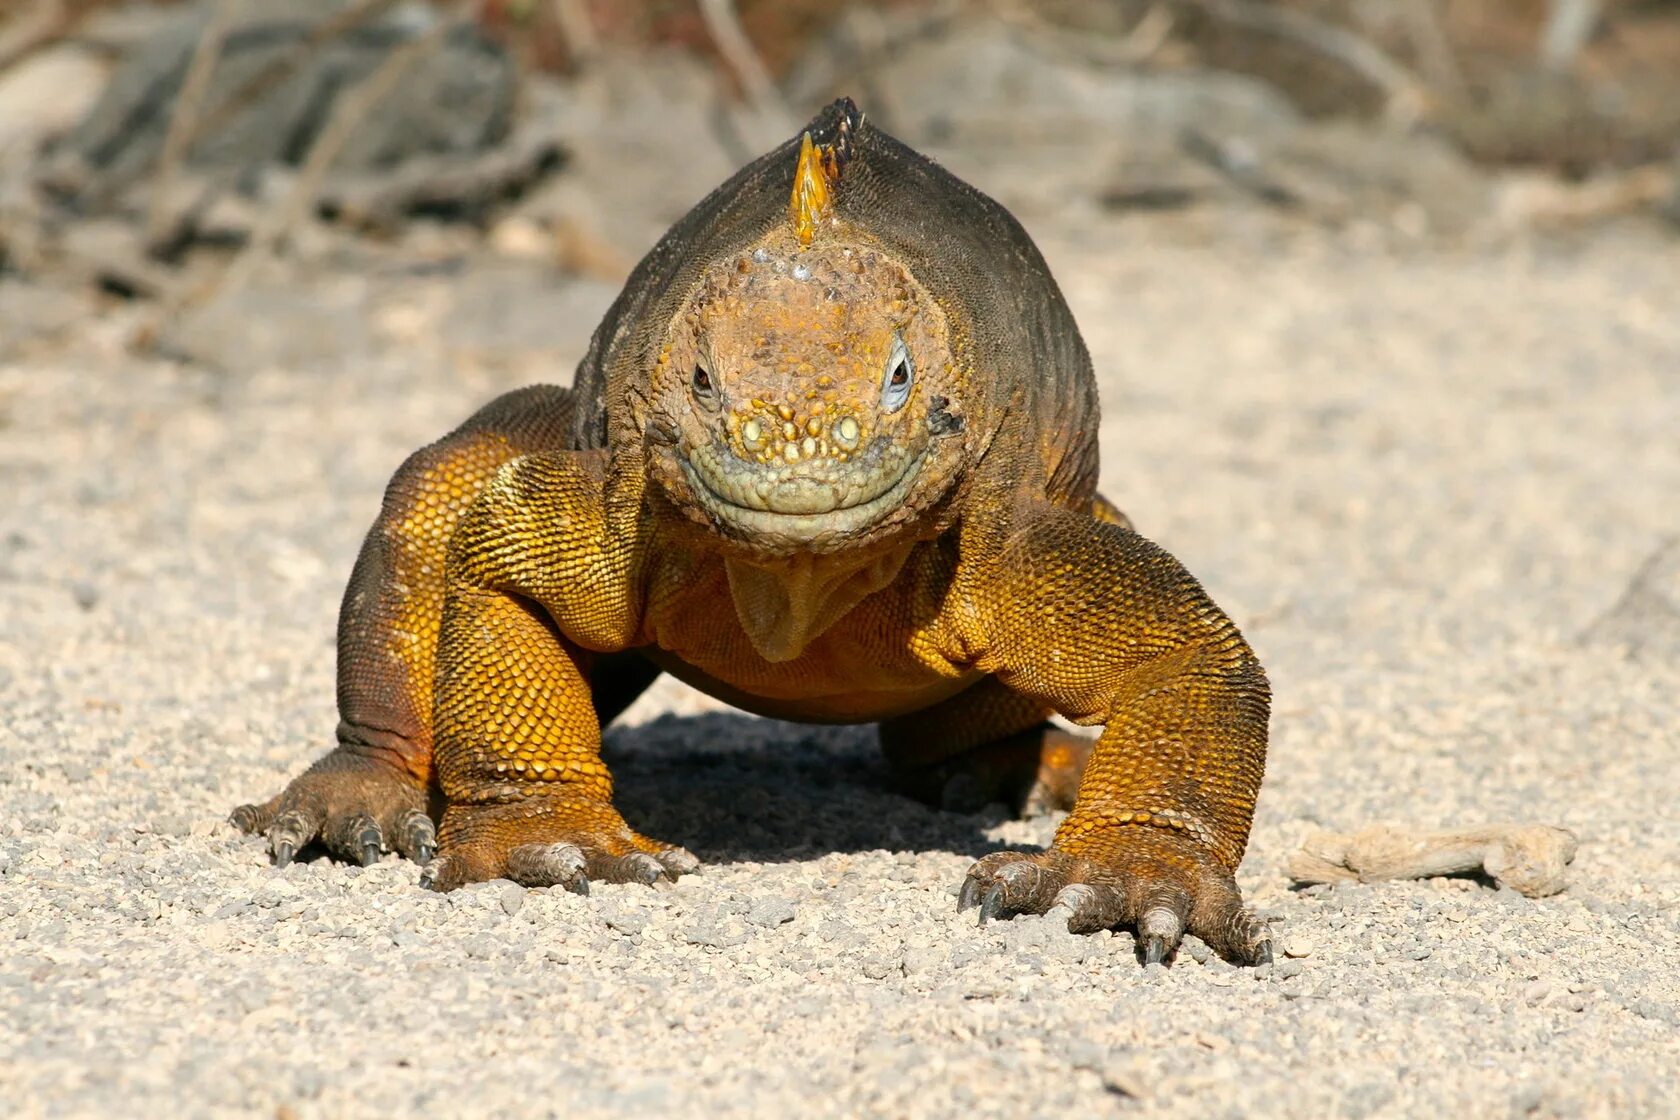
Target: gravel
(1427,485)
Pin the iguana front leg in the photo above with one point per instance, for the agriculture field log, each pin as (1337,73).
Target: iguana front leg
(537,588)
(372,791)
(1108,628)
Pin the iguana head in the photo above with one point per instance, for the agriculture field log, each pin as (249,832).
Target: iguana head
(806,393)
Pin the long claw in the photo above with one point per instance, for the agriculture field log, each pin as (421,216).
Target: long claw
(969,897)
(251,818)
(290,831)
(547,865)
(678,861)
(365,840)
(415,836)
(993,905)
(1087,908)
(1159,932)
(636,867)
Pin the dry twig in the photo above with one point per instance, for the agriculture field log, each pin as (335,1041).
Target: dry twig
(288,63)
(1434,51)
(266,239)
(578,29)
(46,21)
(1568,30)
(281,67)
(1403,92)
(1527,858)
(1138,45)
(161,224)
(724,26)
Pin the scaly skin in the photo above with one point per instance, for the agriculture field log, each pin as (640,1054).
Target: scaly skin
(830,459)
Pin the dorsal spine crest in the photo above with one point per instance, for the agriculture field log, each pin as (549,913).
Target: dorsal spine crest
(818,173)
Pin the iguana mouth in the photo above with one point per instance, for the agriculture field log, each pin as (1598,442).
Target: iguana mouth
(806,500)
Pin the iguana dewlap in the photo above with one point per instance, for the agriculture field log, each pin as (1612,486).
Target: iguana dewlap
(831,456)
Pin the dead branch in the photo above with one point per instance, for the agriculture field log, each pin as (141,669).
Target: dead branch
(284,65)
(1568,29)
(280,221)
(724,26)
(578,29)
(46,21)
(1434,51)
(1527,858)
(381,201)
(1403,92)
(281,67)
(161,221)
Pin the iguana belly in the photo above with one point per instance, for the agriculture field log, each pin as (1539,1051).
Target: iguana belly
(814,690)
(882,657)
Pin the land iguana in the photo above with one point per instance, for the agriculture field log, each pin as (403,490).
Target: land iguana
(831,456)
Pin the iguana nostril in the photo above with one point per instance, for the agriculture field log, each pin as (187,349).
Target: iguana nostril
(846,433)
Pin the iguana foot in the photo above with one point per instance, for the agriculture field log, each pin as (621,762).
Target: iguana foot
(1159,883)
(356,805)
(1034,772)
(550,842)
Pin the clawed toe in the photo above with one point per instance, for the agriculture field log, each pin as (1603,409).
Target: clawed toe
(353,805)
(678,861)
(356,838)
(1087,908)
(1159,934)
(416,836)
(549,865)
(288,834)
(1160,886)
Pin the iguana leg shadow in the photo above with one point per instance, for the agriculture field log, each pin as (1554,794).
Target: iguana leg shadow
(986,744)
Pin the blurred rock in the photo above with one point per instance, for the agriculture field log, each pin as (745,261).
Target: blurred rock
(1045,128)
(643,139)
(43,96)
(1039,126)
(457,100)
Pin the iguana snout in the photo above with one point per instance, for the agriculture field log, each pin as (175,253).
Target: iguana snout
(801,395)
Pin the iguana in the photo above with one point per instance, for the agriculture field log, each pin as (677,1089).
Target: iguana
(831,456)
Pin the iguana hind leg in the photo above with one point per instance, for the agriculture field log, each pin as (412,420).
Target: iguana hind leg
(986,744)
(375,790)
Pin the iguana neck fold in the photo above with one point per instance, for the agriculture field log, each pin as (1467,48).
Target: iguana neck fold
(785,605)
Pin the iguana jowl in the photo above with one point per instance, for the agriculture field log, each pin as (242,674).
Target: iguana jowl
(831,456)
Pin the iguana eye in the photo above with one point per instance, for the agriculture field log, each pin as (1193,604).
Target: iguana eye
(900,375)
(702,382)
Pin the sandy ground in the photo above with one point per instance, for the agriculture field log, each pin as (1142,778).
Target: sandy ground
(1424,485)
